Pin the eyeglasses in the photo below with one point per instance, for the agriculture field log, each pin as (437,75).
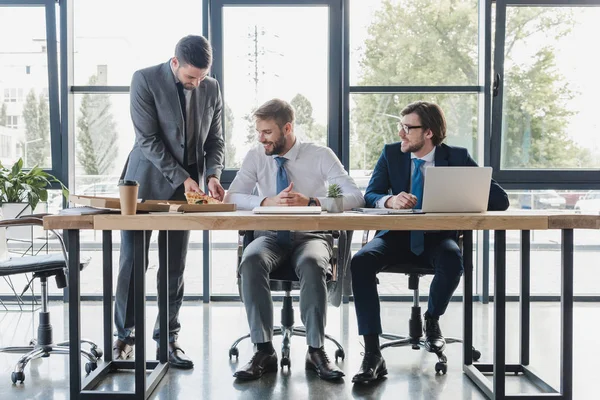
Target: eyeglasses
(407,128)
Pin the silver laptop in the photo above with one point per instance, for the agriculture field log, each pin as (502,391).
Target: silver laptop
(456,189)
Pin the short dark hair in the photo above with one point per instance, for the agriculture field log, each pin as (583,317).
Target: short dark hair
(432,117)
(276,109)
(194,50)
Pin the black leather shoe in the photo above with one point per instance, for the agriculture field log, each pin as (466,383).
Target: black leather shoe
(177,357)
(319,362)
(434,341)
(121,350)
(259,364)
(372,368)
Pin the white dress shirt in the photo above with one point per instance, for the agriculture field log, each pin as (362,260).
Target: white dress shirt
(429,162)
(310,167)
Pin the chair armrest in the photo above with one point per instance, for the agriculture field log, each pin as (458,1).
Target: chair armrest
(335,255)
(365,238)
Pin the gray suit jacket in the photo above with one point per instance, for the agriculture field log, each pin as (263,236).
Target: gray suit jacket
(156,160)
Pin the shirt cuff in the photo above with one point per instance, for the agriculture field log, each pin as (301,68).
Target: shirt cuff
(381,201)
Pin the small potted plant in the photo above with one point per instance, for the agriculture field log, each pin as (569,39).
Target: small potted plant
(334,203)
(21,191)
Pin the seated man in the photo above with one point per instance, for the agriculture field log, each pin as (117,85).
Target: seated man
(401,168)
(286,172)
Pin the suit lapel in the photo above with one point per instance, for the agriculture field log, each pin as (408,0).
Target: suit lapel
(170,89)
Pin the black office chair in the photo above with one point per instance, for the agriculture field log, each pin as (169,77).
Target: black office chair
(42,266)
(285,279)
(415,323)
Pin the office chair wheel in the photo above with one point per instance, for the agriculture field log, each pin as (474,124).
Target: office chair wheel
(89,367)
(441,367)
(96,352)
(234,352)
(476,354)
(339,353)
(285,361)
(17,376)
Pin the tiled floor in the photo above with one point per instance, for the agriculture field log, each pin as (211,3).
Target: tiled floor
(208,331)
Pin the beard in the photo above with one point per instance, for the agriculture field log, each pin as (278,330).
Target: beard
(278,146)
(414,147)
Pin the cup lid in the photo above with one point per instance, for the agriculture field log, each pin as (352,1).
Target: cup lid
(125,182)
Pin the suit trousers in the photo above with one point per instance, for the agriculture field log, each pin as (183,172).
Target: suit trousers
(178,245)
(441,251)
(309,254)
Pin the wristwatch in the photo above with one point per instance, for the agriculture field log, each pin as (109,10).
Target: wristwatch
(312,201)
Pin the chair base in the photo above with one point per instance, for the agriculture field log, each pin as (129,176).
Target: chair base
(35,351)
(419,343)
(287,333)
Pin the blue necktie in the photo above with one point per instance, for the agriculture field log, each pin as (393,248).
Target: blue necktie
(417,238)
(283,237)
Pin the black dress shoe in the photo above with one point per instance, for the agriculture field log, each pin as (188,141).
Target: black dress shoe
(372,368)
(260,363)
(177,357)
(319,362)
(121,350)
(434,341)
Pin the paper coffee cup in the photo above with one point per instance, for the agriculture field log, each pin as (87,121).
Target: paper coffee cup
(128,191)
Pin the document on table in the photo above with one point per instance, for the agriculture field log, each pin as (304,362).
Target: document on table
(388,211)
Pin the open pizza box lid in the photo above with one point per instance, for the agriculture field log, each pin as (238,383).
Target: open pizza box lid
(150,205)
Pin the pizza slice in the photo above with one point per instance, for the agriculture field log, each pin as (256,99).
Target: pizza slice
(199,198)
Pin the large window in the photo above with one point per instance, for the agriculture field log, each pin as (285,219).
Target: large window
(544,116)
(114,38)
(25,106)
(265,57)
(413,42)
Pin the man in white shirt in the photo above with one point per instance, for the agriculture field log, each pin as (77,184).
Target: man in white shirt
(286,172)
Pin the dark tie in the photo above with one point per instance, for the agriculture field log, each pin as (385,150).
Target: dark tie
(283,237)
(182,103)
(417,238)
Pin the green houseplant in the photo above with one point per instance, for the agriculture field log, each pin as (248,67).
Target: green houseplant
(26,186)
(334,203)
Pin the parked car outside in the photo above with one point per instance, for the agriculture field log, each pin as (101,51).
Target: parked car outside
(542,200)
(590,203)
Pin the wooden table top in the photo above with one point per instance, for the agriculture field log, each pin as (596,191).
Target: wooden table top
(240,220)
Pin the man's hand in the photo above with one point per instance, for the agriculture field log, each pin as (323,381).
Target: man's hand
(215,189)
(287,197)
(190,185)
(402,200)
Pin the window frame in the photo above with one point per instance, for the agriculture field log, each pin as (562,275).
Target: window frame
(53,85)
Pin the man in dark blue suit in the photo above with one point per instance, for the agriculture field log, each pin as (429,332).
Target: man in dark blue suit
(401,171)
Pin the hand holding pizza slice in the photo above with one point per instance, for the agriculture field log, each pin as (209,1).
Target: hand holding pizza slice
(200,198)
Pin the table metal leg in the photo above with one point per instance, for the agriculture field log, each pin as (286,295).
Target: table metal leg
(74,314)
(107,292)
(468,298)
(525,295)
(163,304)
(139,302)
(566,304)
(499,314)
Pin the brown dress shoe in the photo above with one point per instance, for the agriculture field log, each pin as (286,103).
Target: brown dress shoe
(319,362)
(259,364)
(121,350)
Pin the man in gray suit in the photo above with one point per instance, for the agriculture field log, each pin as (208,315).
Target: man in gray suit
(176,113)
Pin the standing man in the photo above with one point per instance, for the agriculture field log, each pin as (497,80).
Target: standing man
(401,172)
(176,113)
(286,172)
